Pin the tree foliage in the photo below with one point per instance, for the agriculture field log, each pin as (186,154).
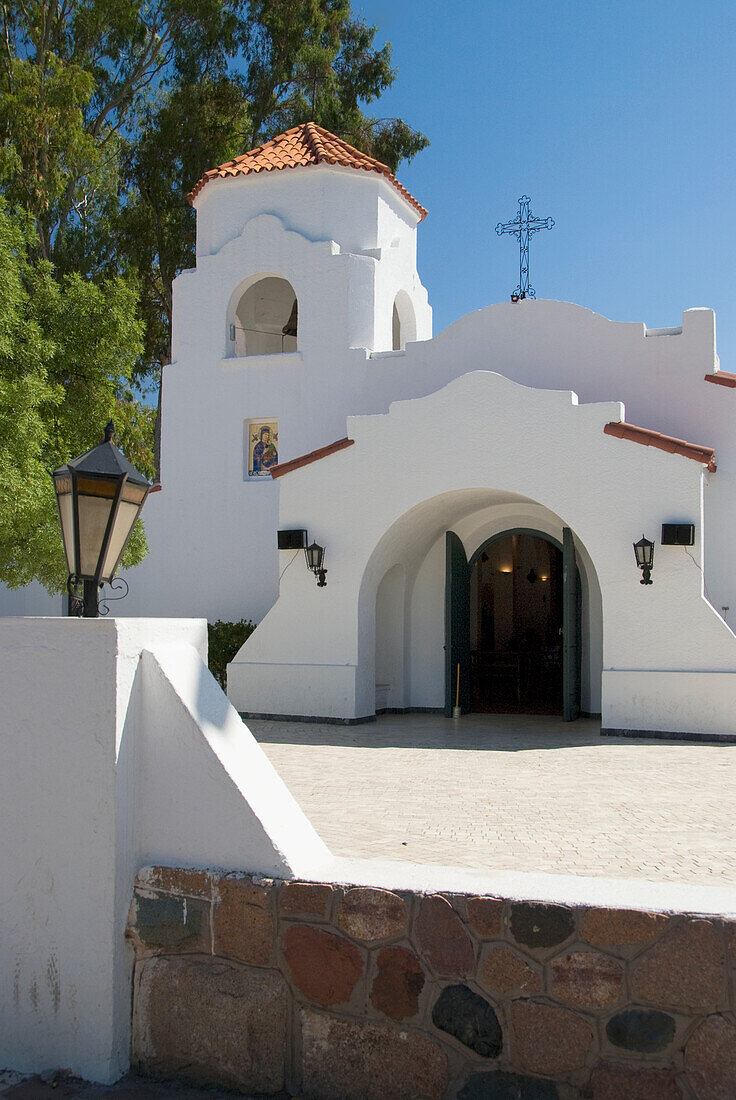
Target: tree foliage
(110,111)
(64,346)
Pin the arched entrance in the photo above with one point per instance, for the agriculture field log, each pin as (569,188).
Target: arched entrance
(513,625)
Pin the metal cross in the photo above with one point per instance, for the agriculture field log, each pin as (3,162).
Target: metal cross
(523,225)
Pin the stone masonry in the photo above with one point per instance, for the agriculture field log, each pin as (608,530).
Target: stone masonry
(332,992)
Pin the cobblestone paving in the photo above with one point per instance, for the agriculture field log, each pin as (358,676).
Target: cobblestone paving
(513,792)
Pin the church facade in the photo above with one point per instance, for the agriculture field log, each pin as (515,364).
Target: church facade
(477,493)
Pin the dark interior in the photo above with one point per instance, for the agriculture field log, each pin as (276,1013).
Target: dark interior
(516,627)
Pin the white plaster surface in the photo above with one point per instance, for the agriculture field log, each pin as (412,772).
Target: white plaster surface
(347,243)
(204,784)
(660,897)
(118,748)
(543,449)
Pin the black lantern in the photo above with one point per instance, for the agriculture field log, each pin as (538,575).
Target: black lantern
(644,551)
(315,555)
(100,496)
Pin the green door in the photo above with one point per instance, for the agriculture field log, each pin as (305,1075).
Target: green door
(571,629)
(457,623)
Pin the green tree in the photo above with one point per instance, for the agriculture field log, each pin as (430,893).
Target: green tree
(110,110)
(74,77)
(64,346)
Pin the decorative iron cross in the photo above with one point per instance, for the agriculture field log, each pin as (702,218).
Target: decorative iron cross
(523,225)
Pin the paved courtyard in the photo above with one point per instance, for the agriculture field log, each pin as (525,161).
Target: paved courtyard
(514,792)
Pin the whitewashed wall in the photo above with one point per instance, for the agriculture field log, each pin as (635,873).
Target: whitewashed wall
(118,749)
(547,459)
(347,242)
(225,563)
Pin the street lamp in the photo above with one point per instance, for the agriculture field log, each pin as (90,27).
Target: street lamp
(100,496)
(644,551)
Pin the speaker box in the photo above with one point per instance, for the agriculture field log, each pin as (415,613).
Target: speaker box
(678,534)
(292,540)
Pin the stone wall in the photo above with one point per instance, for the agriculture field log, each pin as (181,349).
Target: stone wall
(329,992)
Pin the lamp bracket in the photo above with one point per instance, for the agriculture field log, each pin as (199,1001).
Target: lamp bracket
(117,584)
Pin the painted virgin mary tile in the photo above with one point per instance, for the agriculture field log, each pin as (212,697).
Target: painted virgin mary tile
(263,442)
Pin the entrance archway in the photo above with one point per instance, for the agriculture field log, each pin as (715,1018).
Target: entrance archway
(513,625)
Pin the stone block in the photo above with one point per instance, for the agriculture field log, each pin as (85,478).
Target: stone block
(612,928)
(210,1023)
(485,917)
(535,924)
(644,1030)
(177,880)
(470,1019)
(358,1060)
(685,970)
(249,891)
(442,939)
(398,982)
(498,1085)
(710,1059)
(549,1040)
(616,1082)
(372,915)
(503,970)
(586,979)
(324,966)
(305,899)
(171,924)
(244,925)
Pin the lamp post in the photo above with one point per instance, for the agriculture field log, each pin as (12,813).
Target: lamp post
(99,496)
(644,552)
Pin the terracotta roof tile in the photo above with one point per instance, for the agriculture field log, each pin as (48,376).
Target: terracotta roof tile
(649,438)
(300,147)
(722,378)
(312,456)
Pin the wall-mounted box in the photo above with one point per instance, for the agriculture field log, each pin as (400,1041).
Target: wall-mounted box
(295,539)
(678,534)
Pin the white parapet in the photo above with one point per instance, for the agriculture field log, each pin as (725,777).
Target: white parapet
(118,748)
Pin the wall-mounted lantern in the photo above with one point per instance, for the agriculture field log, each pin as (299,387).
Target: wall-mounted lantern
(100,496)
(315,555)
(644,552)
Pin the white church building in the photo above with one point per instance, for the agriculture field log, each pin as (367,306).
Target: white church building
(477,493)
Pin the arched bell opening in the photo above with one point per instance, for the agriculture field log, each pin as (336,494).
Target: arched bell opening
(403,322)
(266,319)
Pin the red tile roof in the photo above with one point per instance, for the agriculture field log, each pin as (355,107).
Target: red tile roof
(313,456)
(649,438)
(300,147)
(722,378)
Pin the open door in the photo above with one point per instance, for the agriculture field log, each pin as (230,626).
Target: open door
(457,623)
(571,629)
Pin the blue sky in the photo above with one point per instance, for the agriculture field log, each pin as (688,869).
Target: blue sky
(616,118)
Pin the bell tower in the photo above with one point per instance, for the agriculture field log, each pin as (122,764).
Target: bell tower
(312,244)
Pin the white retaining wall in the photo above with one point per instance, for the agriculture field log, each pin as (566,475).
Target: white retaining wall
(118,748)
